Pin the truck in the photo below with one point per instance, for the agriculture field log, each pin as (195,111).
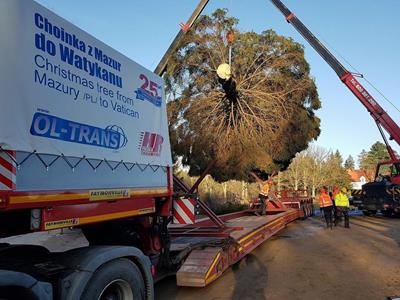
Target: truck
(383,194)
(84,144)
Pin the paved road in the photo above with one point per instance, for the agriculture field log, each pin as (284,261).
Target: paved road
(307,261)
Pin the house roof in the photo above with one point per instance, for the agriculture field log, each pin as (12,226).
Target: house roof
(355,175)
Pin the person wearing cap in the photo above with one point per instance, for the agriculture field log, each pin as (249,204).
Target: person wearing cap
(325,202)
(342,206)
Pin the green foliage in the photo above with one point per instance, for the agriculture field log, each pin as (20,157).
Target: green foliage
(229,207)
(369,160)
(377,153)
(336,174)
(272,117)
(349,163)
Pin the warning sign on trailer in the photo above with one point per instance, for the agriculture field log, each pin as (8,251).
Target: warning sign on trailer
(64,92)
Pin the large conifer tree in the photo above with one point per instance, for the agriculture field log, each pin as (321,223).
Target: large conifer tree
(265,118)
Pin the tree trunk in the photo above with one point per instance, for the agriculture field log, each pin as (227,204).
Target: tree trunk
(305,184)
(225,189)
(244,190)
(279,181)
(313,191)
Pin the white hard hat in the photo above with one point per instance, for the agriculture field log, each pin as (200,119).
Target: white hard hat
(224,71)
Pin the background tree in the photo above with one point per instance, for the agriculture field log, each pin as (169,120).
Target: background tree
(265,119)
(349,163)
(336,173)
(315,167)
(361,157)
(293,174)
(369,160)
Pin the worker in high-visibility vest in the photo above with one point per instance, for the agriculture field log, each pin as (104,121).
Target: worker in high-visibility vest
(325,202)
(265,187)
(335,191)
(342,206)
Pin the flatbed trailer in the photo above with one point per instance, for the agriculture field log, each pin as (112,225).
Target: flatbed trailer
(198,254)
(207,263)
(214,247)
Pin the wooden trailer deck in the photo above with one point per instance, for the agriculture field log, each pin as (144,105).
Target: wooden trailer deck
(211,256)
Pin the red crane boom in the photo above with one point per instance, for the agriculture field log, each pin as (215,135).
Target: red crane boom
(381,117)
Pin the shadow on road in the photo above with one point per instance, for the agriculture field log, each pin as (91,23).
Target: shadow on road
(251,279)
(388,227)
(247,279)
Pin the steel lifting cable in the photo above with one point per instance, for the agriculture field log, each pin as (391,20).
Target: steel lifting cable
(358,73)
(230,38)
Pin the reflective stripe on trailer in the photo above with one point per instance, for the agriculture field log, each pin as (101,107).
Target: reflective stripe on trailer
(38,198)
(184,211)
(8,170)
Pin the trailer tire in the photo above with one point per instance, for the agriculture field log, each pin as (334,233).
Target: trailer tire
(308,209)
(304,213)
(117,279)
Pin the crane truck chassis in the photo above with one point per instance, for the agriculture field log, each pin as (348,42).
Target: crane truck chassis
(383,194)
(84,143)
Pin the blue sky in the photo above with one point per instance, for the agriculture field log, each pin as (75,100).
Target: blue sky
(365,32)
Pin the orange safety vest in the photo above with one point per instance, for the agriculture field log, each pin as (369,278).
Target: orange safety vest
(325,200)
(264,188)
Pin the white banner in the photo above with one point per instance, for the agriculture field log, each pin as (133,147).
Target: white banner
(64,92)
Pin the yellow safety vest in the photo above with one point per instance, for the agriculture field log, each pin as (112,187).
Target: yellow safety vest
(342,200)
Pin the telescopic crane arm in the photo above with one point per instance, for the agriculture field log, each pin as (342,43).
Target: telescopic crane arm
(382,119)
(162,65)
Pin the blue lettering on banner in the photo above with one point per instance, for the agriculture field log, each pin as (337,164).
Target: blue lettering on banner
(142,94)
(70,49)
(48,126)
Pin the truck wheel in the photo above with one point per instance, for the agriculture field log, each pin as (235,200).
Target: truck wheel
(304,212)
(312,210)
(119,279)
(387,213)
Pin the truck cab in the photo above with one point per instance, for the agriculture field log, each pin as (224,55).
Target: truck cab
(383,194)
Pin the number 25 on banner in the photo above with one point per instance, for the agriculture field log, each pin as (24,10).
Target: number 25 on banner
(149,86)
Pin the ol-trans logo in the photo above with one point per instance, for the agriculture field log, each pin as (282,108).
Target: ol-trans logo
(149,91)
(52,127)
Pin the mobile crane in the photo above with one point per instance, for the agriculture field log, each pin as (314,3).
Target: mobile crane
(384,193)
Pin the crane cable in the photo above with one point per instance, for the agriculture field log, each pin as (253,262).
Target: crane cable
(224,70)
(359,73)
(230,37)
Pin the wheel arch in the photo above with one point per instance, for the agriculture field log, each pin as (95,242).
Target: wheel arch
(83,263)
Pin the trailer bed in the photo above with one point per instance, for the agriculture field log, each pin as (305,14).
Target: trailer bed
(210,256)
